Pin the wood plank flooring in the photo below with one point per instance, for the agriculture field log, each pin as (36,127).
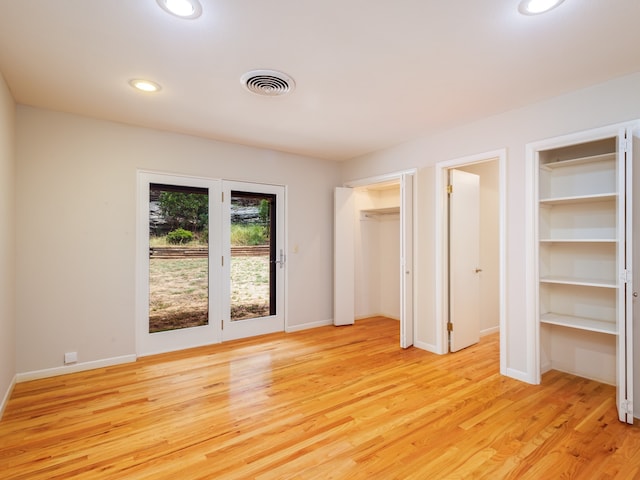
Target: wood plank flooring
(327,403)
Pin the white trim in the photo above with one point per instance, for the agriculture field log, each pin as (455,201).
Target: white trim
(76,367)
(308,326)
(285,216)
(429,347)
(520,375)
(380,178)
(441,170)
(531,286)
(489,331)
(580,137)
(7,395)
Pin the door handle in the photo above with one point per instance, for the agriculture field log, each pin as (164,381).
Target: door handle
(478,270)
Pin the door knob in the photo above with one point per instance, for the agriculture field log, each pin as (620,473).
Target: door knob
(478,270)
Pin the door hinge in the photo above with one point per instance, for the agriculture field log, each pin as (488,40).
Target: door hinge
(626,276)
(449,189)
(222,324)
(627,407)
(222,261)
(449,327)
(222,197)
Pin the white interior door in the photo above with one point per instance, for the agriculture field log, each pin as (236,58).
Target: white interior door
(344,257)
(630,177)
(253,267)
(464,260)
(406,261)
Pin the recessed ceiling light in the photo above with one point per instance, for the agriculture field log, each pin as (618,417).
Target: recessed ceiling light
(535,7)
(144,85)
(182,8)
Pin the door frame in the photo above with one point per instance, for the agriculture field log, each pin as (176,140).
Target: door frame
(407,297)
(441,248)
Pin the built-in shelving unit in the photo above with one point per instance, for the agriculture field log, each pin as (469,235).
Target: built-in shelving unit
(581,263)
(578,198)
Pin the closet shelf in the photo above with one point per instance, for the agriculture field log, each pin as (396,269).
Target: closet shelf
(578,161)
(585,282)
(579,323)
(578,240)
(596,197)
(381,211)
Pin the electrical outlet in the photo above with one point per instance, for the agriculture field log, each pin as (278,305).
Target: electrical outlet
(70,357)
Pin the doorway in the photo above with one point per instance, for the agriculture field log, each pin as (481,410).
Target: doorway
(373,261)
(210,261)
(253,264)
(489,308)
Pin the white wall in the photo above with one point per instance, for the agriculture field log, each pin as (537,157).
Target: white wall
(76,204)
(489,243)
(7,243)
(604,104)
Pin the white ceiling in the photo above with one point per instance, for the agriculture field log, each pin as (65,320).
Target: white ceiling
(369,73)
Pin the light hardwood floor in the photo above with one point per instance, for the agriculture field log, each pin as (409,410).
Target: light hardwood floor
(328,403)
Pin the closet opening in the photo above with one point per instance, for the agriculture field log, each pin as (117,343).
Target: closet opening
(373,251)
(377,250)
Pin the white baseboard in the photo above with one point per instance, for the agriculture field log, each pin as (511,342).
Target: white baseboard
(307,326)
(371,315)
(7,395)
(489,331)
(76,367)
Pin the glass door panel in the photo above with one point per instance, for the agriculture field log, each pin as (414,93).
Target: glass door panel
(178,257)
(253,267)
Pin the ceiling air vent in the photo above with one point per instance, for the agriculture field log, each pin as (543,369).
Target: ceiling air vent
(269,83)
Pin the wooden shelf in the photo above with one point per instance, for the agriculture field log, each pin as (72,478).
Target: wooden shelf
(598,197)
(579,323)
(585,282)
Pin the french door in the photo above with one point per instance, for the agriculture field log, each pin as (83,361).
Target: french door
(253,261)
(177,285)
(211,261)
